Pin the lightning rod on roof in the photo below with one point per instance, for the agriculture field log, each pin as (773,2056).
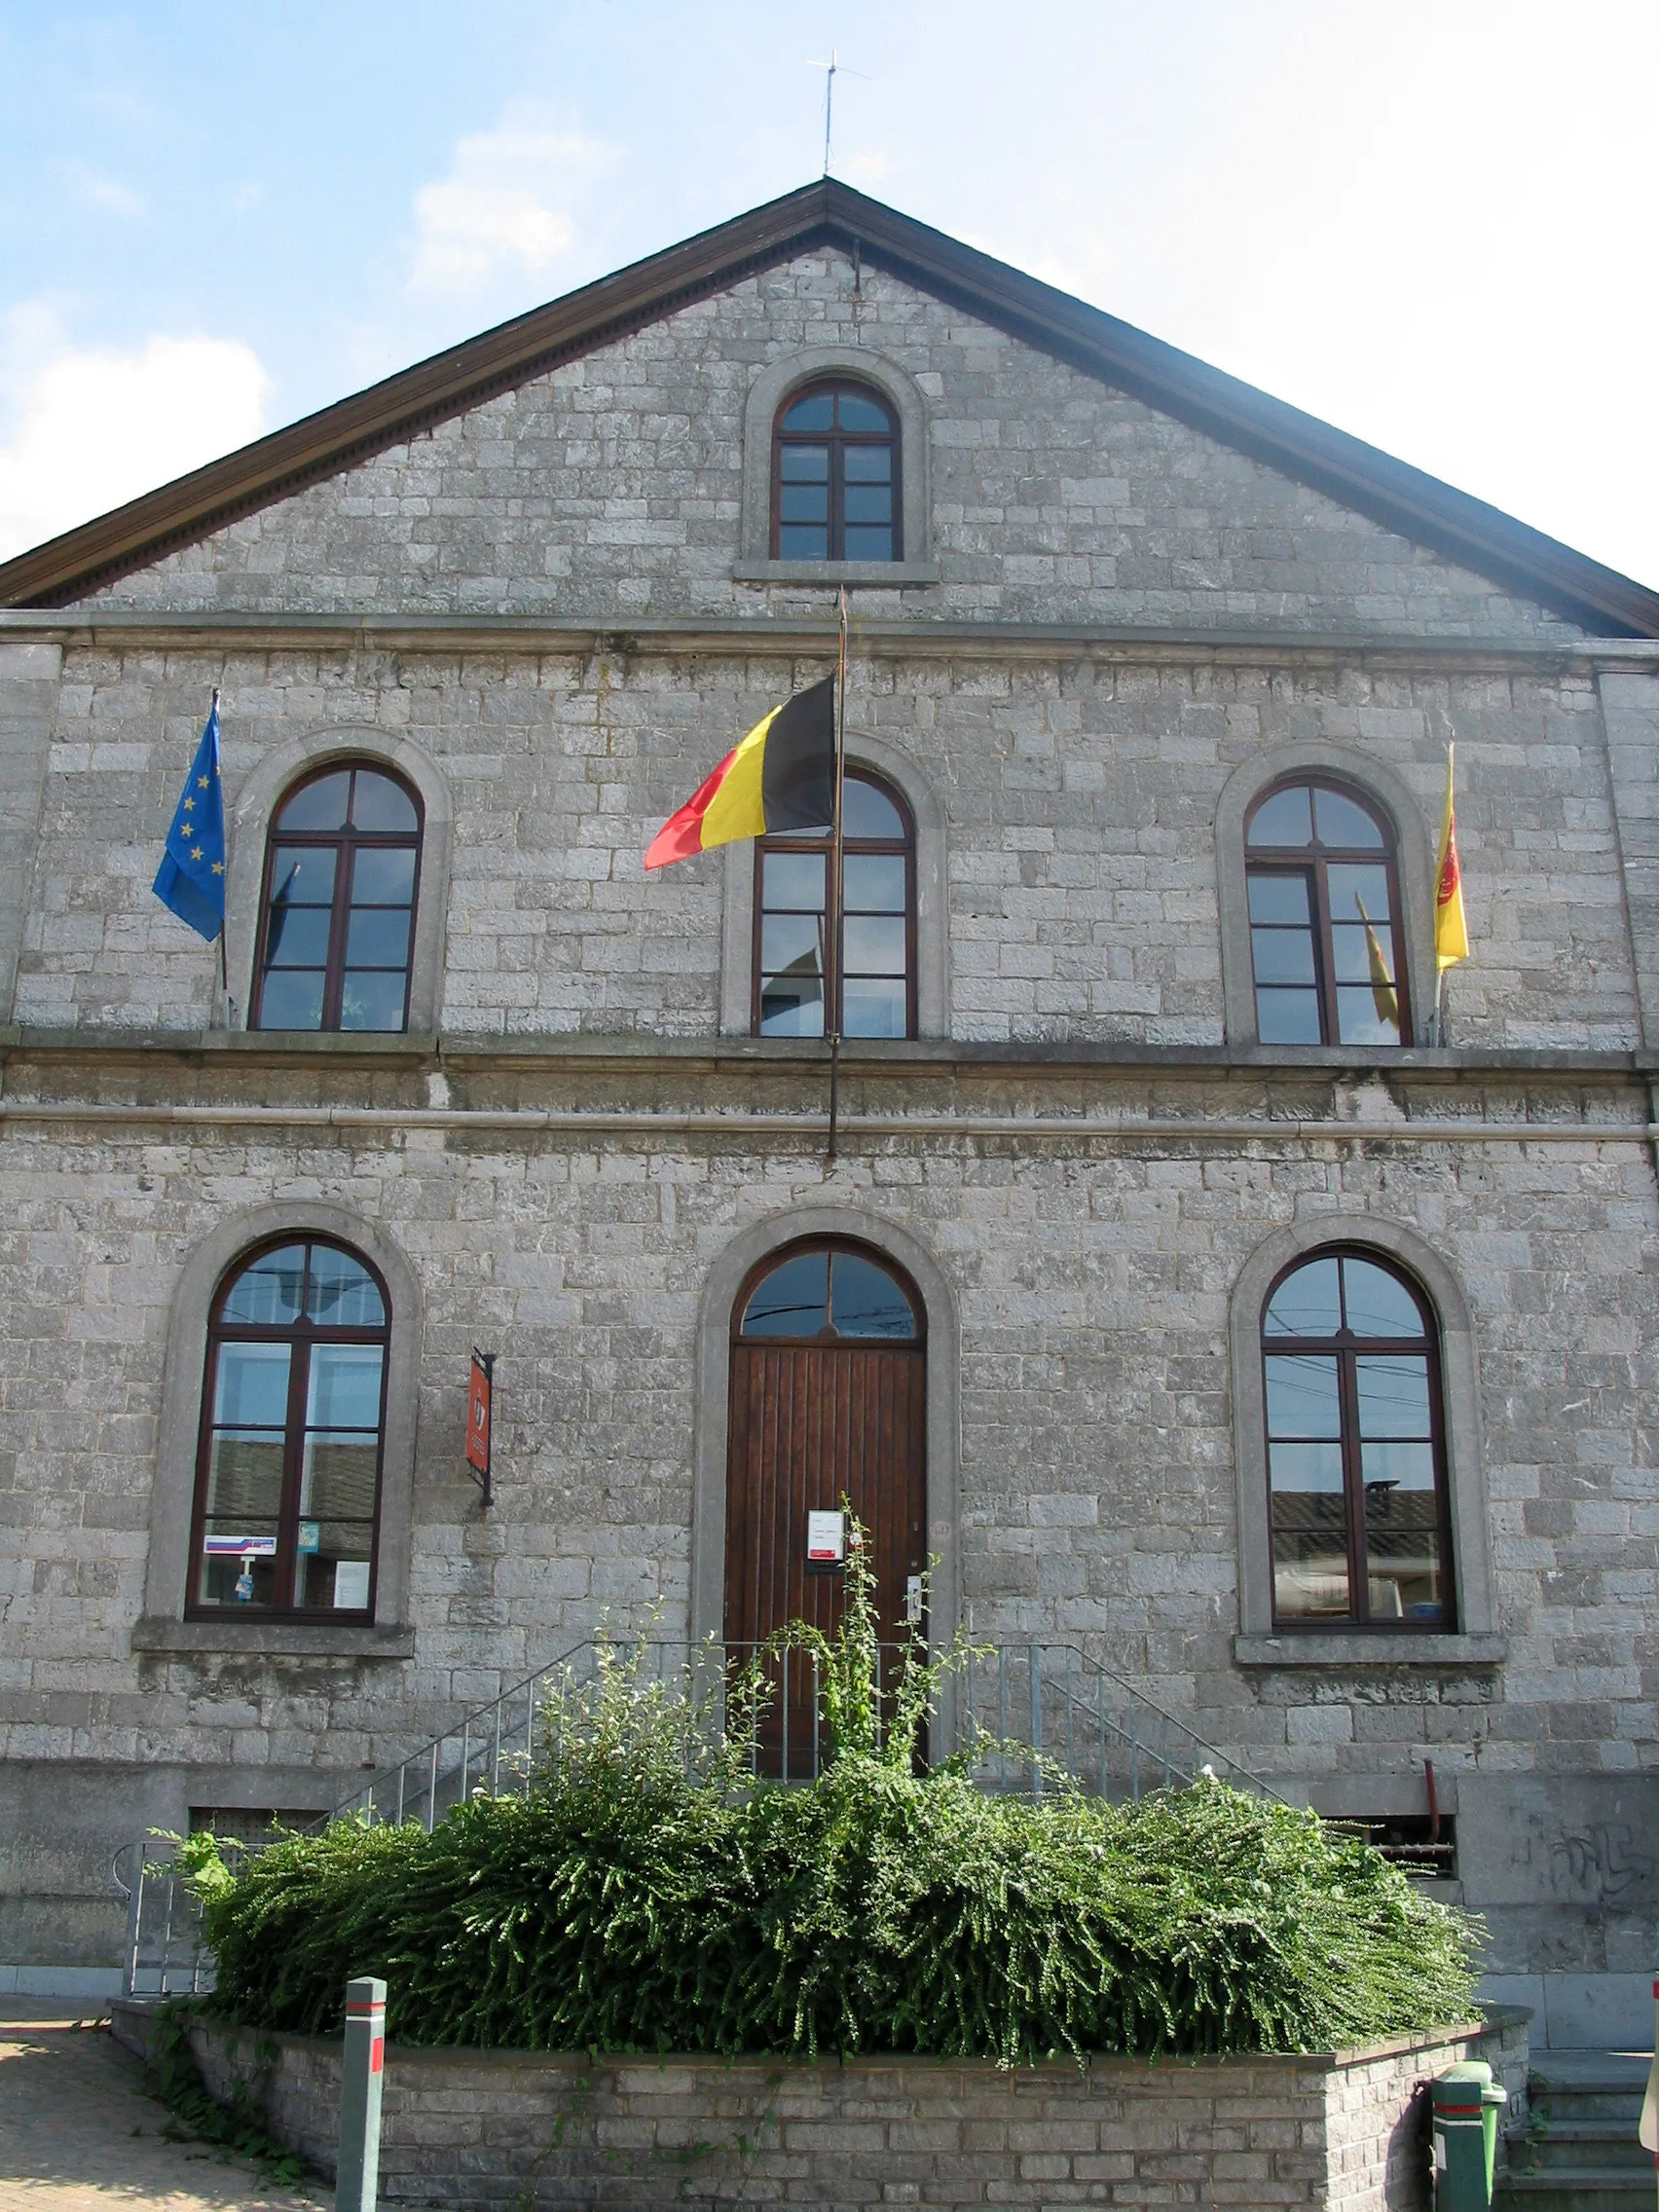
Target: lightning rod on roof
(829,68)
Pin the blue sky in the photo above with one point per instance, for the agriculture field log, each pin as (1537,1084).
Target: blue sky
(1423,222)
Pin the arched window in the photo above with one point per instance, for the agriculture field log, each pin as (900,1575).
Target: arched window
(825,1294)
(1356,1455)
(287,1480)
(835,476)
(1324,920)
(797,981)
(337,909)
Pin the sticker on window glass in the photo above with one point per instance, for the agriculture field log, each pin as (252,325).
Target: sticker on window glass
(241,1547)
(310,1535)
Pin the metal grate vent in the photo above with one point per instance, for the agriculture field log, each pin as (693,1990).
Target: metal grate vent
(1421,1843)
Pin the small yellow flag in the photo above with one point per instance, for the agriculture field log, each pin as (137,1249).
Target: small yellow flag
(1451,930)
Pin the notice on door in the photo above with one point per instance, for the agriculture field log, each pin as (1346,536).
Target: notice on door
(826,1540)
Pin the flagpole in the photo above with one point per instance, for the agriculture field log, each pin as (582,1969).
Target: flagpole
(1451,930)
(1434,917)
(839,935)
(224,965)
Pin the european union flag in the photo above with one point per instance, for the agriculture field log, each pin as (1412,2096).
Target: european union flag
(191,878)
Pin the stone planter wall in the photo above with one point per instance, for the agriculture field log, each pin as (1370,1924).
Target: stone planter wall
(521,2129)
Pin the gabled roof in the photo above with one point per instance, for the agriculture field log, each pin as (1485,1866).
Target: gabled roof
(1419,506)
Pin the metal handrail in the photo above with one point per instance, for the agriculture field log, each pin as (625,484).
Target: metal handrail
(1132,1739)
(1032,1711)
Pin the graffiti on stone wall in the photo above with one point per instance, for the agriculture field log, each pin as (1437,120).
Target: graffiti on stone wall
(1592,1862)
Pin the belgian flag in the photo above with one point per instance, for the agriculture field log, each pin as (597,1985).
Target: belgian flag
(782,776)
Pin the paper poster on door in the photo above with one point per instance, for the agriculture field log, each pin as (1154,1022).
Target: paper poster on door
(826,1540)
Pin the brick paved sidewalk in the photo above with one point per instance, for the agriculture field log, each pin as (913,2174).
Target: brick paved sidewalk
(78,2132)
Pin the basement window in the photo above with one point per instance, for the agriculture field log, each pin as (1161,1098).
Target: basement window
(1416,1841)
(249,1824)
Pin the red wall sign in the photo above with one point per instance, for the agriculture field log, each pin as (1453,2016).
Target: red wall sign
(478,1417)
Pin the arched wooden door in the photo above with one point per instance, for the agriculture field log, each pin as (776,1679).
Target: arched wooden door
(828,1403)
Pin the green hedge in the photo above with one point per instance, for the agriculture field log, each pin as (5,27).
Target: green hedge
(639,1897)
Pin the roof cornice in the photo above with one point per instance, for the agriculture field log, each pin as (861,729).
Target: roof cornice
(1420,507)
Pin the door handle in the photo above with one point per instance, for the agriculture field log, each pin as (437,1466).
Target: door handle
(913,1599)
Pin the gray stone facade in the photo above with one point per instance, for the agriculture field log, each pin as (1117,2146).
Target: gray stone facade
(538,604)
(1080,791)
(612,489)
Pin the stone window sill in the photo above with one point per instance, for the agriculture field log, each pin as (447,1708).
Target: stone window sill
(283,1640)
(851,572)
(1371,1647)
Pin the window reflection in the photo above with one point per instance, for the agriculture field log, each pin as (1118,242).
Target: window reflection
(1355,1470)
(834,477)
(1322,894)
(337,924)
(288,1480)
(797,978)
(829,1292)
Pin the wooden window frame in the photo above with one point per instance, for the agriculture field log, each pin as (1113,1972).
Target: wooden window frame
(301,1333)
(345,844)
(1311,863)
(837,440)
(793,841)
(1346,1350)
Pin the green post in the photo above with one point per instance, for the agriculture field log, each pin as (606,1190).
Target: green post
(356,2180)
(1466,2103)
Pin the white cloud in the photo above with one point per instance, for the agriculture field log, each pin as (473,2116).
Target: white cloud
(867,166)
(107,194)
(506,205)
(93,428)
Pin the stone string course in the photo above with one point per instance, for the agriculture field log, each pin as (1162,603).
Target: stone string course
(1346,2133)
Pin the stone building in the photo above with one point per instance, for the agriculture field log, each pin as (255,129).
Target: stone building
(1151,683)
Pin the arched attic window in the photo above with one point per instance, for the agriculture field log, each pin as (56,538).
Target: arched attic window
(1323,885)
(337,905)
(835,475)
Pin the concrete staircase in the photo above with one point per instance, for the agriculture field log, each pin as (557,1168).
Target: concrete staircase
(1578,2151)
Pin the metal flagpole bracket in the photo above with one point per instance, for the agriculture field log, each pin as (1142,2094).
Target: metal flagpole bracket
(480,1421)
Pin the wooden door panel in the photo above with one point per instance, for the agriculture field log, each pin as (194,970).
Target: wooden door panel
(809,1425)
